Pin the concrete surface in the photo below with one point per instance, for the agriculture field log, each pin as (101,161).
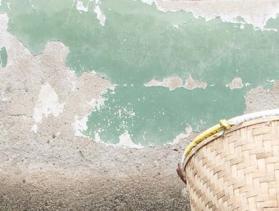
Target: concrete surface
(46,163)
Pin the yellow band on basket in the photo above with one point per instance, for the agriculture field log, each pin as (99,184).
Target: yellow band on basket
(223,125)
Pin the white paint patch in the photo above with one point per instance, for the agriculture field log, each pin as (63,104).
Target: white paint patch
(256,13)
(80,125)
(3,97)
(4,19)
(188,131)
(125,112)
(150,2)
(175,82)
(96,104)
(47,104)
(97,138)
(34,128)
(270,81)
(236,83)
(126,141)
(80,6)
(100,15)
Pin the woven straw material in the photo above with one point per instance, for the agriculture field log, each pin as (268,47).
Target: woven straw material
(237,171)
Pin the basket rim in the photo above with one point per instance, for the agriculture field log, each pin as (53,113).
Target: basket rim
(232,129)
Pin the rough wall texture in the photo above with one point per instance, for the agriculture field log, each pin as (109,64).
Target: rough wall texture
(44,165)
(54,112)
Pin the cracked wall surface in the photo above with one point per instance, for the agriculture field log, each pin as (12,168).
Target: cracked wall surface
(98,98)
(46,161)
(164,64)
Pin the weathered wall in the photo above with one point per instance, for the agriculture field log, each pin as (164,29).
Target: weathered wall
(75,74)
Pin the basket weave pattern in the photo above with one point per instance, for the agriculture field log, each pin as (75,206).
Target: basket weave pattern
(237,171)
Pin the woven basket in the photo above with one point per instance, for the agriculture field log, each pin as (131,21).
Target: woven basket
(238,170)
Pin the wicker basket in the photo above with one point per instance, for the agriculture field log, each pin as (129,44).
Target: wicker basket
(238,170)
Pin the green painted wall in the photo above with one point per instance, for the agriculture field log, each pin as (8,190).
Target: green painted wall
(3,57)
(138,43)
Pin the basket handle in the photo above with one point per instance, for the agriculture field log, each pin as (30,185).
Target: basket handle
(181,173)
(221,126)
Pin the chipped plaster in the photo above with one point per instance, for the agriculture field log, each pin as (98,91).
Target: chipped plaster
(33,157)
(100,15)
(236,83)
(48,86)
(254,12)
(47,104)
(175,82)
(260,98)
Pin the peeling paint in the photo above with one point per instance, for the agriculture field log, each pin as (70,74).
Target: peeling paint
(14,50)
(139,44)
(80,125)
(3,97)
(96,103)
(47,104)
(236,83)
(97,10)
(172,83)
(126,141)
(149,2)
(48,91)
(182,136)
(259,98)
(34,128)
(175,82)
(256,13)
(3,57)
(80,6)
(100,15)
(191,83)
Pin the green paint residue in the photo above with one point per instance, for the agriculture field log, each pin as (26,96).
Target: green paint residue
(4,5)
(140,43)
(3,57)
(156,115)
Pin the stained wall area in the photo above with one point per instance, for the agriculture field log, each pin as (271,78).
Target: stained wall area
(99,98)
